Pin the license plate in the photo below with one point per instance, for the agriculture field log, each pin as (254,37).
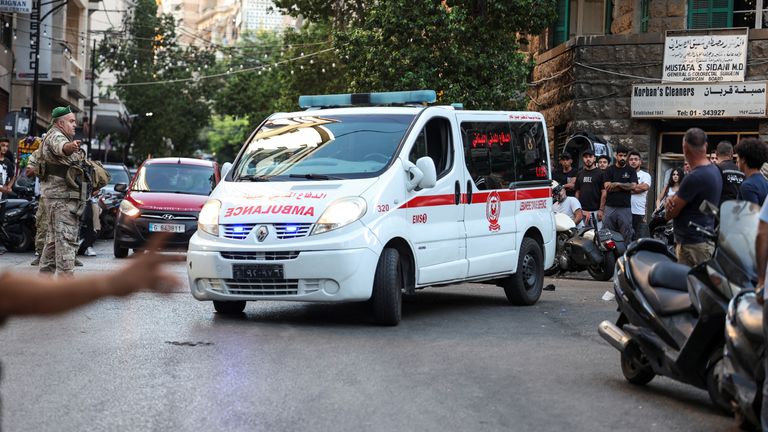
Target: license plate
(257,271)
(174,228)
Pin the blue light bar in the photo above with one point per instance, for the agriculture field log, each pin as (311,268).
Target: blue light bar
(384,98)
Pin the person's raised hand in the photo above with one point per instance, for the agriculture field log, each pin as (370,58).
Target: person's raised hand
(147,272)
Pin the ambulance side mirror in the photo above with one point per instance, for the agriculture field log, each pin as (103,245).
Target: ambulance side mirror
(225,169)
(421,175)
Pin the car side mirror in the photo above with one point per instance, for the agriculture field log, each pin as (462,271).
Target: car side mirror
(427,167)
(225,169)
(708,208)
(121,187)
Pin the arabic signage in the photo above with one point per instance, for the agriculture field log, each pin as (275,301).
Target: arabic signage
(710,58)
(698,100)
(16,6)
(25,52)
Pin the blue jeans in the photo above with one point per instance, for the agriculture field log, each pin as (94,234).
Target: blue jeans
(619,219)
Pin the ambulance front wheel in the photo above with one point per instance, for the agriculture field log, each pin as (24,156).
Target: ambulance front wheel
(386,299)
(524,287)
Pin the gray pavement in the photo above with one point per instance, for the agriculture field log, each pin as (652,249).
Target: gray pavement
(461,360)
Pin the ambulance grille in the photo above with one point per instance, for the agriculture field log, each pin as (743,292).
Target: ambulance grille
(260,256)
(291,231)
(237,231)
(265,287)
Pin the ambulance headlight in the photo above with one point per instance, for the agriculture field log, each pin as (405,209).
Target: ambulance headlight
(128,209)
(340,213)
(208,221)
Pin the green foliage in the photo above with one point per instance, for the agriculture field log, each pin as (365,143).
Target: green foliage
(172,112)
(226,135)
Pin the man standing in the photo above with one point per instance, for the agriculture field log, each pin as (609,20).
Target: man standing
(590,190)
(639,196)
(603,161)
(619,180)
(732,177)
(41,217)
(59,151)
(703,183)
(751,154)
(7,177)
(567,174)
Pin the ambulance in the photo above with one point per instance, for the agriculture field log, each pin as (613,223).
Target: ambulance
(369,197)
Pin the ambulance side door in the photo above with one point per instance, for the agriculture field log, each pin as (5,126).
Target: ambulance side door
(489,213)
(435,215)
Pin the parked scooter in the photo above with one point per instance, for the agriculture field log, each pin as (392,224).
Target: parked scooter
(109,203)
(662,229)
(17,220)
(565,229)
(672,317)
(593,250)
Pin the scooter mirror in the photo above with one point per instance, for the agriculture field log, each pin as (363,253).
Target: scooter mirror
(121,187)
(708,208)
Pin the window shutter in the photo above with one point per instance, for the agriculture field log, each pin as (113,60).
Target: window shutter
(563,19)
(704,14)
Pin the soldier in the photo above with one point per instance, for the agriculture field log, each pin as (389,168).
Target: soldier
(41,217)
(58,152)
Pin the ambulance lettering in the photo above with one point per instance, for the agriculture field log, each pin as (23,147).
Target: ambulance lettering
(493,211)
(533,205)
(270,209)
(420,218)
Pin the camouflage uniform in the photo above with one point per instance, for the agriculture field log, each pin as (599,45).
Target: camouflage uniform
(41,217)
(62,201)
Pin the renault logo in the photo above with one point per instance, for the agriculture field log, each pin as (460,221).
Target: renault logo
(168,216)
(261,233)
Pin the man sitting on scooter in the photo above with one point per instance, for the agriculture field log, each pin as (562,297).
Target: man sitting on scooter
(566,205)
(703,183)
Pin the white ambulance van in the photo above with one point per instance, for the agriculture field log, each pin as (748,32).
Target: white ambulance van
(367,197)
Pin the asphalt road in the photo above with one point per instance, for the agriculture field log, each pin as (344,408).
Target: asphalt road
(461,360)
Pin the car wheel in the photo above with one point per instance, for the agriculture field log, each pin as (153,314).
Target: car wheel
(524,287)
(120,252)
(387,296)
(229,307)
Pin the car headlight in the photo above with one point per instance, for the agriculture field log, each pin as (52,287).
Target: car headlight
(129,209)
(340,213)
(208,220)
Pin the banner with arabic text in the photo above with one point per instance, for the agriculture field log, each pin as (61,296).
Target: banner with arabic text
(698,100)
(705,58)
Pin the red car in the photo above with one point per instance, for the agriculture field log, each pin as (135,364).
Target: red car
(166,195)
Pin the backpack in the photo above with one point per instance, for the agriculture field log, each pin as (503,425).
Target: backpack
(99,175)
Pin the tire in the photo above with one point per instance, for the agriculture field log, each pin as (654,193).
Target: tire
(636,370)
(605,271)
(229,307)
(719,398)
(107,227)
(27,241)
(387,296)
(524,287)
(555,269)
(120,252)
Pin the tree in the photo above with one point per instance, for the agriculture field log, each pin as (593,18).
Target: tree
(226,135)
(151,69)
(467,50)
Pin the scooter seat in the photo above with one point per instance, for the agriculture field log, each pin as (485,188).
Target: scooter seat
(668,274)
(667,301)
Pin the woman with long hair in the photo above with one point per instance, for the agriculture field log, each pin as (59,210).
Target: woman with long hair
(675,178)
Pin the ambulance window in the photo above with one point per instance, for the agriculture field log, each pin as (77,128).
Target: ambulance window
(435,141)
(488,153)
(530,151)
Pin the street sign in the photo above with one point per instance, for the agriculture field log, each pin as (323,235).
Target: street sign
(746,99)
(16,6)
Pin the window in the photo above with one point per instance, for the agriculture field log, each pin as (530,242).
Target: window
(435,141)
(581,17)
(488,154)
(750,13)
(530,150)
(645,15)
(710,14)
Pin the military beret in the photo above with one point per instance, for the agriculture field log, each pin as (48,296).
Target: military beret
(60,111)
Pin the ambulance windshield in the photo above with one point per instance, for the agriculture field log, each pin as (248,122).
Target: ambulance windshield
(322,147)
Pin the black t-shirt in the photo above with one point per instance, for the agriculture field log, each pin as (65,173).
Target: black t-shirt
(7,170)
(614,174)
(732,179)
(590,184)
(703,183)
(564,178)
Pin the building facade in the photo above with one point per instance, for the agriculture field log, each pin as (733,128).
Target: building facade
(608,67)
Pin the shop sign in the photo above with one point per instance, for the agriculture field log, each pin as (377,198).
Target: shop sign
(24,52)
(698,100)
(710,58)
(16,6)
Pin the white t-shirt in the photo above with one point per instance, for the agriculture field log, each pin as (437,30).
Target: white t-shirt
(568,207)
(639,200)
(4,176)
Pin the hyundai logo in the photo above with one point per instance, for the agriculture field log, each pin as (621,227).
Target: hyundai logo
(168,216)
(262,233)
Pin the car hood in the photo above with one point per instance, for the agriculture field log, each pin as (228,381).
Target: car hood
(276,202)
(167,201)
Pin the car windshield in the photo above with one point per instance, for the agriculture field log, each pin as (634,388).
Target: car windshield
(175,178)
(117,175)
(322,147)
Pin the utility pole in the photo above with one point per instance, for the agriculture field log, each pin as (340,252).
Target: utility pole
(36,21)
(90,116)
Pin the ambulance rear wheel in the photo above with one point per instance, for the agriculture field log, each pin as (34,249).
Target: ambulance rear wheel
(229,307)
(387,297)
(524,287)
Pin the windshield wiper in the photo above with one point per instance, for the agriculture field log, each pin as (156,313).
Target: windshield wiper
(254,178)
(315,177)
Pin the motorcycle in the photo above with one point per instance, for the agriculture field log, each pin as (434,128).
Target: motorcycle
(672,317)
(17,220)
(565,229)
(109,203)
(662,229)
(594,250)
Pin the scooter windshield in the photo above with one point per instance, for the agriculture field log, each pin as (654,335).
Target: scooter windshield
(322,147)
(738,232)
